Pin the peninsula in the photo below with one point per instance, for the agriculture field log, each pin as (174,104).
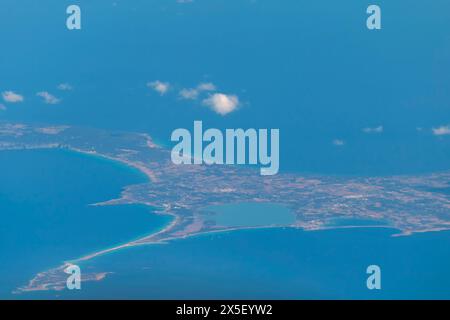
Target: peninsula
(408,203)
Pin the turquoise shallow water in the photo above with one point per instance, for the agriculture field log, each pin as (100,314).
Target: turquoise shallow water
(45,213)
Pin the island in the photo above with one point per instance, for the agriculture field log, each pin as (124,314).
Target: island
(408,203)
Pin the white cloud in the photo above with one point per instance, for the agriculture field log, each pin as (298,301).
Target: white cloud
(378,129)
(218,102)
(338,142)
(206,86)
(48,98)
(12,97)
(2,107)
(222,103)
(193,93)
(159,86)
(65,87)
(189,94)
(441,131)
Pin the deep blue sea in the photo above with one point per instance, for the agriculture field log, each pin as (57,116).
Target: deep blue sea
(276,264)
(45,217)
(309,68)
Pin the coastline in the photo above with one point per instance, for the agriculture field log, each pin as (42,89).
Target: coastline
(136,169)
(177,228)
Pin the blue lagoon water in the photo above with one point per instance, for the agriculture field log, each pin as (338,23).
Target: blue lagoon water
(250,214)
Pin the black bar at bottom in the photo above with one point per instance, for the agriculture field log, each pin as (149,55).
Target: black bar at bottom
(225,309)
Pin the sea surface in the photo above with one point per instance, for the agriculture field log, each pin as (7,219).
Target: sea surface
(276,264)
(45,211)
(46,219)
(309,68)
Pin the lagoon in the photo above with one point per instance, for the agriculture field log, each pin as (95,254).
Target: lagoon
(251,214)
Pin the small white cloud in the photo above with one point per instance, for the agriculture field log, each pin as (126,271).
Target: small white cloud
(441,131)
(2,107)
(159,86)
(338,142)
(189,94)
(206,86)
(48,98)
(12,97)
(378,129)
(222,103)
(65,87)
(193,93)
